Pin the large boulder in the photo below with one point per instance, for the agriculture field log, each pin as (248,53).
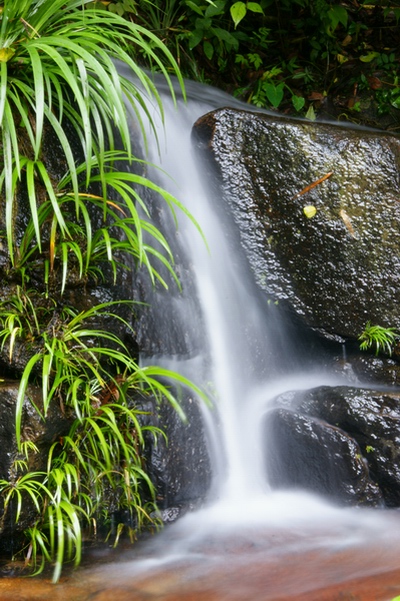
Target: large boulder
(307,453)
(341,441)
(339,268)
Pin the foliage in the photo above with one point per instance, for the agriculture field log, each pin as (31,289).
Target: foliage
(378,337)
(86,217)
(98,467)
(75,248)
(56,63)
(291,55)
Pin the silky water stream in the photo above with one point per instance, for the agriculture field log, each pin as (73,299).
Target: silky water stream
(247,542)
(242,543)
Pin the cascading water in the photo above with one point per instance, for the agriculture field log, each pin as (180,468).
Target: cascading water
(245,353)
(230,338)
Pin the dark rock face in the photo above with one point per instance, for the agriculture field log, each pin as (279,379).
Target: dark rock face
(341,267)
(34,429)
(180,467)
(341,441)
(304,452)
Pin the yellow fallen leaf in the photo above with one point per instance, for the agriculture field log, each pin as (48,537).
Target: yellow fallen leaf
(6,54)
(368,58)
(309,211)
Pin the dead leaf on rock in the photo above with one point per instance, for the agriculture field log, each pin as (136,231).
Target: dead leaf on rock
(347,221)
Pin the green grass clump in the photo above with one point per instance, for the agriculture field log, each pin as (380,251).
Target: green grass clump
(377,337)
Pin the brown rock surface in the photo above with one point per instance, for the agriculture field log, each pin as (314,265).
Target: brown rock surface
(285,567)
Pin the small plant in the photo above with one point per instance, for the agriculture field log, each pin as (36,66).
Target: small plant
(378,337)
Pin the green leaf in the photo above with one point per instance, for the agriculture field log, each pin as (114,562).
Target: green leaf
(396,102)
(255,7)
(194,7)
(274,93)
(208,49)
(3,88)
(368,58)
(238,12)
(225,36)
(203,24)
(337,14)
(298,102)
(21,395)
(215,9)
(310,114)
(195,38)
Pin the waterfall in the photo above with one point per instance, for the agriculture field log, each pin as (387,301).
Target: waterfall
(220,332)
(237,343)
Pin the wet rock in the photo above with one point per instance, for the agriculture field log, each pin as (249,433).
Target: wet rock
(375,370)
(40,432)
(313,421)
(372,419)
(306,453)
(336,269)
(180,465)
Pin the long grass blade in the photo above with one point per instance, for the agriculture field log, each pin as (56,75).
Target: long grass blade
(21,395)
(37,71)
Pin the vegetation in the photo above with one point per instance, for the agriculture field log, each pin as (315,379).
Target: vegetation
(383,340)
(77,221)
(307,57)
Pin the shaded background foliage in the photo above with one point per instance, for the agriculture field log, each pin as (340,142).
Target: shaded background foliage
(337,60)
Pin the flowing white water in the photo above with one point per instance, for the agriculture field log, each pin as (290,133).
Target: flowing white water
(244,341)
(245,349)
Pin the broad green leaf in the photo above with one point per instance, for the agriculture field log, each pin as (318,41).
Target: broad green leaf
(194,7)
(215,9)
(311,113)
(274,93)
(195,38)
(337,14)
(225,36)
(208,49)
(238,12)
(203,24)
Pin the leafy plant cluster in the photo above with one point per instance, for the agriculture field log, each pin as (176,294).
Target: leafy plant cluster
(294,55)
(73,226)
(379,338)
